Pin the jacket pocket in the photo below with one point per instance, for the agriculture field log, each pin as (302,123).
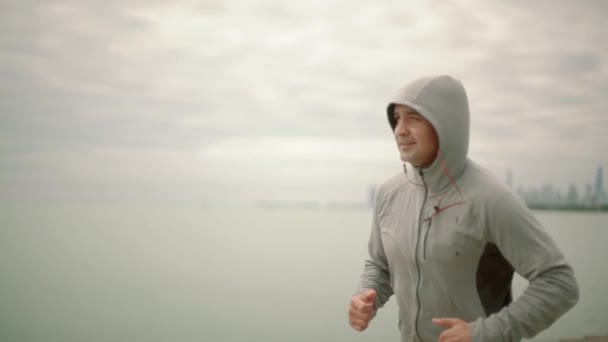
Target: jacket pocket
(447,248)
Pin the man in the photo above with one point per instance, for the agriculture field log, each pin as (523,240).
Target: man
(447,236)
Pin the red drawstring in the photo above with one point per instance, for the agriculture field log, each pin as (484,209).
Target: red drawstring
(447,174)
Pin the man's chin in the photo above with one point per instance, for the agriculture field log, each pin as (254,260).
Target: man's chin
(404,157)
(408,158)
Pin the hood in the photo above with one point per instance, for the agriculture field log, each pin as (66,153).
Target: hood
(442,100)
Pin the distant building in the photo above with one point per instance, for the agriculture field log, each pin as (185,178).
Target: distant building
(599,196)
(572,198)
(549,195)
(588,197)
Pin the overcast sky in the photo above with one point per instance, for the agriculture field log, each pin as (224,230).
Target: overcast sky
(194,100)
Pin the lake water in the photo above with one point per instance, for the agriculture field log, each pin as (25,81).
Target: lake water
(83,273)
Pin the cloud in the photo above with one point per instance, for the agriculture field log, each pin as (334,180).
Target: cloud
(294,81)
(302,149)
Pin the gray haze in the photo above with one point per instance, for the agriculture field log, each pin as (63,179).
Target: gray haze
(193,102)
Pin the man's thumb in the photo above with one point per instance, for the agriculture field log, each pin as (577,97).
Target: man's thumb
(447,322)
(369,296)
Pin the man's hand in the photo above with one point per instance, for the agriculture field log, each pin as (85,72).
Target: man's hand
(361,309)
(456,330)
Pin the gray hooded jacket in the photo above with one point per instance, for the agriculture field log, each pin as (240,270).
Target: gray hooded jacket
(447,239)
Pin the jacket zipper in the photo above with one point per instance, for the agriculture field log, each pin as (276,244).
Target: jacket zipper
(426,234)
(416,257)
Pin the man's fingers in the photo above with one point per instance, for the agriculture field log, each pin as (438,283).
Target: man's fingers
(361,315)
(368,296)
(353,312)
(456,330)
(358,324)
(362,306)
(450,338)
(444,336)
(360,312)
(447,322)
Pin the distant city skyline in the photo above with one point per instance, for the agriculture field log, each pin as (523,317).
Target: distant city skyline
(595,178)
(589,195)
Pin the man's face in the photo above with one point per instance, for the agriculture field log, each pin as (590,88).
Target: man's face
(415,136)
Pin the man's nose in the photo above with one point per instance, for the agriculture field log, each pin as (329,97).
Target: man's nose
(401,128)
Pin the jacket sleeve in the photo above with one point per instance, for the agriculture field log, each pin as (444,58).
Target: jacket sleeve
(376,273)
(552,288)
